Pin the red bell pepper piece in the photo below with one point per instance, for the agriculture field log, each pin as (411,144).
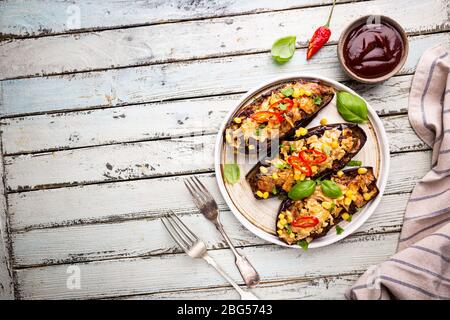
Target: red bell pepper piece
(312,156)
(267,116)
(300,165)
(305,222)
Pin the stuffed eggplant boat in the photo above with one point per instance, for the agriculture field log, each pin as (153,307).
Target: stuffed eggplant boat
(313,216)
(312,154)
(277,114)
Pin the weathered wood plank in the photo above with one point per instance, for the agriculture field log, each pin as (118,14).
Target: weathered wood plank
(45,17)
(58,131)
(324,288)
(174,80)
(6,275)
(148,237)
(150,275)
(151,197)
(200,39)
(142,160)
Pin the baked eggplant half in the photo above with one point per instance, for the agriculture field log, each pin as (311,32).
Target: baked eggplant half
(312,217)
(320,151)
(276,114)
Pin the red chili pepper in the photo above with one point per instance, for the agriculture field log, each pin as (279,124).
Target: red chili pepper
(312,156)
(305,222)
(267,116)
(286,101)
(300,165)
(320,37)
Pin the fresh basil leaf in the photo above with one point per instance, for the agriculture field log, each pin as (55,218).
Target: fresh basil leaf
(330,189)
(318,100)
(302,190)
(352,108)
(303,244)
(292,148)
(354,163)
(339,229)
(287,92)
(283,49)
(231,172)
(282,106)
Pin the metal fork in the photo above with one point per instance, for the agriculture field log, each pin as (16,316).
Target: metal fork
(208,206)
(196,248)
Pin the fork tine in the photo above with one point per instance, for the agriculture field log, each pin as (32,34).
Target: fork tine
(189,233)
(179,230)
(198,190)
(202,188)
(197,199)
(174,236)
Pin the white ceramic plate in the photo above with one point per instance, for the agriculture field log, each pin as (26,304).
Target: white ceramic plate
(259,216)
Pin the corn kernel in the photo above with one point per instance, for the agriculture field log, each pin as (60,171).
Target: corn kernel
(279,225)
(362,170)
(251,147)
(301,132)
(306,93)
(367,196)
(349,193)
(334,144)
(292,236)
(259,194)
(325,146)
(237,120)
(263,169)
(275,176)
(326,205)
(314,169)
(228,138)
(290,219)
(353,198)
(297,176)
(302,177)
(288,213)
(280,232)
(340,198)
(265,195)
(345,216)
(340,173)
(281,216)
(296,93)
(347,201)
(323,121)
(283,221)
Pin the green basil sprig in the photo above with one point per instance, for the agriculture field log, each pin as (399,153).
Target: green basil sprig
(283,49)
(302,190)
(231,172)
(339,229)
(287,92)
(354,163)
(352,108)
(330,189)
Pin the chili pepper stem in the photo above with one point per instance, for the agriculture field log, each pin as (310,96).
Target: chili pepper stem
(331,13)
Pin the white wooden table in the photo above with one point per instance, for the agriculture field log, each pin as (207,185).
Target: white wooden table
(90,94)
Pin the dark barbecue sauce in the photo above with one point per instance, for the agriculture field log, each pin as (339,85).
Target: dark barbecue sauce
(373,50)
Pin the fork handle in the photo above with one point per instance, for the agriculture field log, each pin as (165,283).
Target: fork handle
(248,272)
(245,295)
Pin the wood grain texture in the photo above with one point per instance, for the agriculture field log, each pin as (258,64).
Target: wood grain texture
(148,198)
(137,160)
(6,274)
(145,237)
(174,80)
(150,274)
(49,132)
(323,288)
(46,17)
(201,39)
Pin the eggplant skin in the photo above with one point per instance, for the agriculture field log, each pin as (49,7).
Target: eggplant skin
(248,111)
(351,173)
(255,174)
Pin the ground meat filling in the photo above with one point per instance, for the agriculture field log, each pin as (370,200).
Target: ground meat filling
(312,217)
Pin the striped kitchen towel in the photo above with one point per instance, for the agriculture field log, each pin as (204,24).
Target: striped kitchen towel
(421,267)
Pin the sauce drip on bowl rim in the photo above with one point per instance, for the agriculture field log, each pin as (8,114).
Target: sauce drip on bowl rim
(373,50)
